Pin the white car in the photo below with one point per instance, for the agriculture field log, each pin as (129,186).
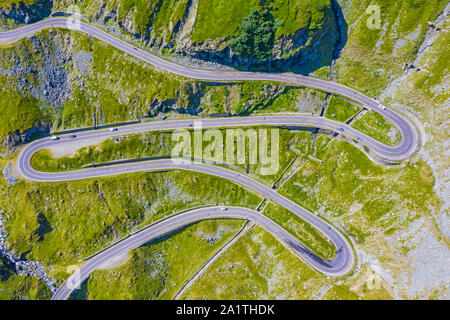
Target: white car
(381,106)
(113,129)
(55,138)
(223,209)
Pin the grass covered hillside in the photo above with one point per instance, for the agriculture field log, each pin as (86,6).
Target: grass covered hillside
(8,4)
(396,216)
(98,84)
(16,12)
(377,52)
(219,18)
(294,31)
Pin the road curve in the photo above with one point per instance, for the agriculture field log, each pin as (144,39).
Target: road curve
(341,264)
(410,136)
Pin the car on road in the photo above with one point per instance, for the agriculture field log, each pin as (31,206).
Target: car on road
(55,138)
(223,209)
(381,106)
(72,136)
(113,129)
(340,129)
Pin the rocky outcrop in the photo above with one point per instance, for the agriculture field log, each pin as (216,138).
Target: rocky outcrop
(13,139)
(22,13)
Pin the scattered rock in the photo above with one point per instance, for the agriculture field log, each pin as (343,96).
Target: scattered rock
(9,177)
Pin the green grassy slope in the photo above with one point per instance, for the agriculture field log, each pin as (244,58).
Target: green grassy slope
(375,56)
(379,207)
(64,222)
(153,271)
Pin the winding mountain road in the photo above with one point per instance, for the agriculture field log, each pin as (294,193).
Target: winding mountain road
(344,259)
(339,265)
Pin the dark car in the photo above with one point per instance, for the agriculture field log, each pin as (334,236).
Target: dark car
(72,136)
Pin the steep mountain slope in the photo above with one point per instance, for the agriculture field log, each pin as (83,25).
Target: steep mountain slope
(14,12)
(306,34)
(397,216)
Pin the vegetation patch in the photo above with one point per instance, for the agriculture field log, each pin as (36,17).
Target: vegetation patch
(19,112)
(376,126)
(20,287)
(348,187)
(220,18)
(257,35)
(341,110)
(302,230)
